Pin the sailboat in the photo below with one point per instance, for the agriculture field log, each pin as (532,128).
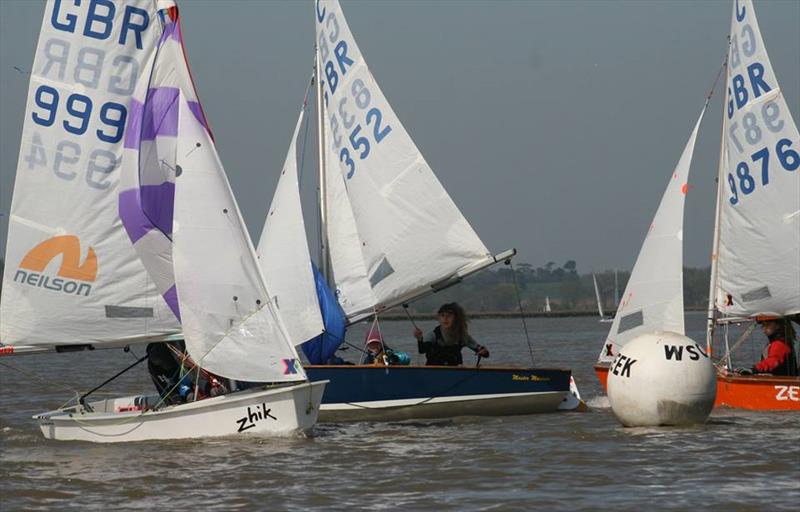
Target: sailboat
(603,317)
(390,234)
(169,227)
(547,308)
(755,273)
(757,211)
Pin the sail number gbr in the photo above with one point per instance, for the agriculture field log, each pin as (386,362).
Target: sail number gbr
(357,123)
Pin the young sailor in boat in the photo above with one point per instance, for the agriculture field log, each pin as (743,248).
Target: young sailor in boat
(779,357)
(442,346)
(165,369)
(177,378)
(378,354)
(375,352)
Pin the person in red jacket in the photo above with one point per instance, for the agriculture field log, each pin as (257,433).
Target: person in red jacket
(778,357)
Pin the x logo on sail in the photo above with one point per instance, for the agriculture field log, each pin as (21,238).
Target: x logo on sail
(291,366)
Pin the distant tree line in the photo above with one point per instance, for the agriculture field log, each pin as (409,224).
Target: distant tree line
(495,290)
(502,289)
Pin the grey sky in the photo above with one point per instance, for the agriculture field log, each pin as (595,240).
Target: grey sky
(554,125)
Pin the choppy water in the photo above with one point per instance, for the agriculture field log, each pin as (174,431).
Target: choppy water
(738,461)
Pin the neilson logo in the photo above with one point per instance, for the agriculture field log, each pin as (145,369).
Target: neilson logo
(68,247)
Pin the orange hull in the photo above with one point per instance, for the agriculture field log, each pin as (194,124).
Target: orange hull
(752,392)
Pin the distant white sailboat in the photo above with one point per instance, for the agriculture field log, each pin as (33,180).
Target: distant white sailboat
(547,308)
(603,317)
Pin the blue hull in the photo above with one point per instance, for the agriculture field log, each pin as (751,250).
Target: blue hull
(358,393)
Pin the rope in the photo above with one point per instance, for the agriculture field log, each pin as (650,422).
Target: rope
(719,73)
(82,399)
(519,304)
(405,310)
(410,319)
(305,132)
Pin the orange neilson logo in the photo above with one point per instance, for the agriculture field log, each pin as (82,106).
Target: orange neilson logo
(69,247)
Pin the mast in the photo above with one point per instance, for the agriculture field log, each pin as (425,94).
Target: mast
(712,286)
(323,207)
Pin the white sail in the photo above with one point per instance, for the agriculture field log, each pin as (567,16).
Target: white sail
(348,269)
(547,308)
(146,198)
(406,233)
(653,297)
(597,295)
(758,269)
(71,275)
(284,256)
(228,320)
(182,218)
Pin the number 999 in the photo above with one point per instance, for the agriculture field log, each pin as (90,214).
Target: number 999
(78,114)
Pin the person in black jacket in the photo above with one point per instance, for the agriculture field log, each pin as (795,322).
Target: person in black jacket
(442,346)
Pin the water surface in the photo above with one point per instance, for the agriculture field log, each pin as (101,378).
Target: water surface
(738,461)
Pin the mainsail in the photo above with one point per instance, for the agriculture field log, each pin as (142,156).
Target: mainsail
(757,269)
(393,232)
(653,297)
(198,245)
(71,275)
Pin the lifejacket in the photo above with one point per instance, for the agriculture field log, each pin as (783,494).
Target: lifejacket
(164,368)
(439,354)
(792,368)
(789,365)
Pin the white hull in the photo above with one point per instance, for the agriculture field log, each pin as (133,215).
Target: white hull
(277,411)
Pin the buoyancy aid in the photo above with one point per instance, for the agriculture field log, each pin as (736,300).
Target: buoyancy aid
(788,366)
(164,368)
(439,354)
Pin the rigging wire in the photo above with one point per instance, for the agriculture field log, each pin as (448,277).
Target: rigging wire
(33,376)
(305,132)
(405,310)
(519,304)
(719,73)
(82,399)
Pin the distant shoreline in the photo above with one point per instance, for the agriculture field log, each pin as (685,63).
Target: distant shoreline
(394,315)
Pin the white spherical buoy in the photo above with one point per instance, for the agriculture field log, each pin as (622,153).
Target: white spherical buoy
(662,378)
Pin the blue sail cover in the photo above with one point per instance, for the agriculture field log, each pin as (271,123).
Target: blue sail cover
(321,348)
